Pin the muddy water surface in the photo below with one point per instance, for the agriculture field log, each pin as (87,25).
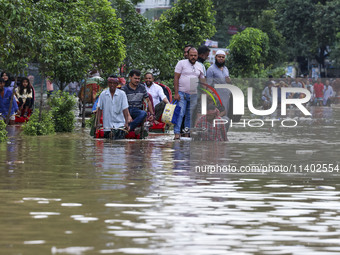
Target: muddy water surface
(71,194)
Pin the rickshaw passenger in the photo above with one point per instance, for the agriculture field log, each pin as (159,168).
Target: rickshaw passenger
(5,100)
(136,93)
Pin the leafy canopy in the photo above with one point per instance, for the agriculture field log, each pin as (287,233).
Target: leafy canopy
(248,50)
(75,35)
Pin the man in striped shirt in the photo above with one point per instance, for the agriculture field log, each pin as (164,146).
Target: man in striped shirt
(136,93)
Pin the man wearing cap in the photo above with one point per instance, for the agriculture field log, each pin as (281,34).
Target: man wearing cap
(113,105)
(218,73)
(188,73)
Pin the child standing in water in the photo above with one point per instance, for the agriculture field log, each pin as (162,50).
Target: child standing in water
(24,95)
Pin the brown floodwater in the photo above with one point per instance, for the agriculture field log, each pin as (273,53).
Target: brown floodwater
(72,194)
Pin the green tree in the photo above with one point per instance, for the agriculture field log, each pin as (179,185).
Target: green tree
(249,51)
(309,26)
(277,45)
(15,34)
(75,36)
(107,48)
(157,45)
(164,63)
(326,27)
(295,22)
(236,13)
(137,33)
(187,22)
(15,31)
(192,20)
(257,14)
(335,53)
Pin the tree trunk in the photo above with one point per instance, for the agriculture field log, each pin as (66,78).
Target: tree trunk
(41,96)
(323,53)
(83,103)
(11,102)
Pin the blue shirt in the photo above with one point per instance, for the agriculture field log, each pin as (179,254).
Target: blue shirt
(113,116)
(6,100)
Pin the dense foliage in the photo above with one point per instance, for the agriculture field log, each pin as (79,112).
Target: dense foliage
(3,131)
(16,44)
(62,106)
(335,54)
(77,36)
(249,51)
(35,127)
(158,45)
(67,38)
(298,30)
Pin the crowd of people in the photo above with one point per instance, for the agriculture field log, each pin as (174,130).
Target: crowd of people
(124,111)
(126,106)
(18,102)
(324,92)
(191,74)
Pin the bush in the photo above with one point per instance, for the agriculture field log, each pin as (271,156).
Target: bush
(62,104)
(3,131)
(35,127)
(248,51)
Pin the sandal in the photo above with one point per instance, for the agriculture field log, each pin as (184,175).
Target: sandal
(177,137)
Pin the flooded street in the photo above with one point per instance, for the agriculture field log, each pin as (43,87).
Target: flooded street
(72,194)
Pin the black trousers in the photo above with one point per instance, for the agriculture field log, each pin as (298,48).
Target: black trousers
(27,103)
(115,134)
(159,108)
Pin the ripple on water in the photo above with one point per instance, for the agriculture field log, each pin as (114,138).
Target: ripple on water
(35,242)
(129,251)
(127,205)
(40,199)
(291,212)
(276,186)
(132,233)
(77,250)
(83,219)
(43,215)
(326,187)
(71,204)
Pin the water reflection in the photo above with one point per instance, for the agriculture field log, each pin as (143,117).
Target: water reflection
(76,195)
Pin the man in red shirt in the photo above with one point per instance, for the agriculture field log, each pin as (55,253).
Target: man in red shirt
(318,92)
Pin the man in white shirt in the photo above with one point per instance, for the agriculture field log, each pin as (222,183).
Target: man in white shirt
(328,93)
(188,73)
(158,97)
(113,105)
